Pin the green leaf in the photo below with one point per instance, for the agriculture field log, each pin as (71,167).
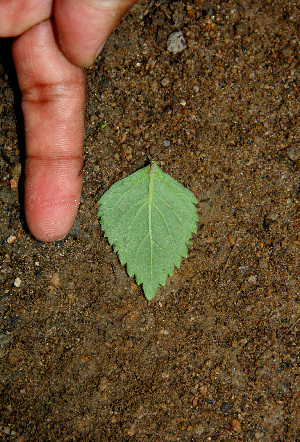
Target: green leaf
(149,218)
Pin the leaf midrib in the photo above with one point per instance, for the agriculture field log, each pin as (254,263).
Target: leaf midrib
(151,178)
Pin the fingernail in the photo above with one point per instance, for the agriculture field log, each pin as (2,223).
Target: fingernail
(100,48)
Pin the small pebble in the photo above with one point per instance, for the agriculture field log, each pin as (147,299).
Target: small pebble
(190,11)
(236,426)
(4,339)
(55,280)
(252,279)
(176,42)
(131,431)
(75,230)
(15,171)
(263,263)
(11,239)
(5,194)
(17,282)
(127,152)
(13,184)
(226,407)
(165,81)
(293,153)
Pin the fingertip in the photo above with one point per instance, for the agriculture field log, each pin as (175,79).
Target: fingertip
(52,196)
(51,223)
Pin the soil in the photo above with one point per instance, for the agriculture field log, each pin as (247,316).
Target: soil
(215,356)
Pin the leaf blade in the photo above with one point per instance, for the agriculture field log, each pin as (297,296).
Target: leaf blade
(149,218)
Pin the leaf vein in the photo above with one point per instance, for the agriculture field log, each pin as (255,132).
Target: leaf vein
(123,194)
(172,210)
(166,224)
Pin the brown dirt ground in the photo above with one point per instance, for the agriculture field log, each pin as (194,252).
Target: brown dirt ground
(215,356)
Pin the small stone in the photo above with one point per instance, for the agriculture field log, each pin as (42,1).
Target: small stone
(17,282)
(236,426)
(199,430)
(55,280)
(190,428)
(226,407)
(252,279)
(232,239)
(198,3)
(127,152)
(13,184)
(190,11)
(15,171)
(196,89)
(263,263)
(75,230)
(154,86)
(244,341)
(131,431)
(4,339)
(176,42)
(293,153)
(165,81)
(11,239)
(5,194)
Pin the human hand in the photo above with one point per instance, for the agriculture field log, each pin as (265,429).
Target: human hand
(54,41)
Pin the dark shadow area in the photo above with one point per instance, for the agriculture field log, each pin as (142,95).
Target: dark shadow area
(9,68)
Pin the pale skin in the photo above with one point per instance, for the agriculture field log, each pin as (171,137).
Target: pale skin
(54,41)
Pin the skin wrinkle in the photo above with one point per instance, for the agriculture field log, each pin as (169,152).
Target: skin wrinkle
(60,119)
(61,151)
(33,94)
(63,175)
(50,202)
(54,158)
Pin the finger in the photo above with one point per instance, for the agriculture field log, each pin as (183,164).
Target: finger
(53,100)
(84,25)
(16,16)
